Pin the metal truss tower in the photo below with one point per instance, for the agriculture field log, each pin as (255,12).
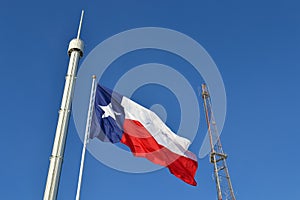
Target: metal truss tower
(217,155)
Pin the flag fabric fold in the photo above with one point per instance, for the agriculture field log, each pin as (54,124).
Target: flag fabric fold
(118,119)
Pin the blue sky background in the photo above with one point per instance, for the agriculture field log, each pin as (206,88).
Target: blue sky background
(255,45)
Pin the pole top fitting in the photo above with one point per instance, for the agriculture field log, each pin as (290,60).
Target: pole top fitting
(94,77)
(76,45)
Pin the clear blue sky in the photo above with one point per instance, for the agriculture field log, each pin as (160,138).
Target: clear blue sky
(255,45)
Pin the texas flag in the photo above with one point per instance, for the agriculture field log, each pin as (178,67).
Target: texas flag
(119,119)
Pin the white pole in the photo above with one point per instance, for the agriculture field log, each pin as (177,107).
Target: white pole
(75,51)
(87,134)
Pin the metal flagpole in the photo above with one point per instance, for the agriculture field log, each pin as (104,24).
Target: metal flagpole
(75,51)
(87,134)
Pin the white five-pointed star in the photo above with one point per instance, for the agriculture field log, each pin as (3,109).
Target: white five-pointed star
(108,111)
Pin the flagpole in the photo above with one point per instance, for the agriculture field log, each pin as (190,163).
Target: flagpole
(87,134)
(75,52)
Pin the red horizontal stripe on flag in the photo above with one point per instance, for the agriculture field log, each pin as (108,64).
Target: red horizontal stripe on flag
(142,144)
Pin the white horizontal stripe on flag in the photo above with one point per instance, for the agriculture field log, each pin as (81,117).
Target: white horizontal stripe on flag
(156,127)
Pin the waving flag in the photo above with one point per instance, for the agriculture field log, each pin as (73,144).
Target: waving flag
(119,119)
